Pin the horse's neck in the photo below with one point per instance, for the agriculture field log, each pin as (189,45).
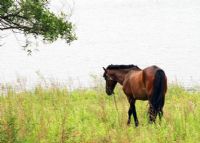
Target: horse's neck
(120,75)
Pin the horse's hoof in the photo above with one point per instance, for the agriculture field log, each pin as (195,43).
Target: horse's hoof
(136,124)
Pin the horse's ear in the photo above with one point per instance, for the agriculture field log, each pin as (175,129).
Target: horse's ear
(104,69)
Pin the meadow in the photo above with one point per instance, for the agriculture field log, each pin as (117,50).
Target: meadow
(57,115)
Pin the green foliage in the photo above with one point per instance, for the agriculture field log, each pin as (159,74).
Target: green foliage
(34,17)
(89,115)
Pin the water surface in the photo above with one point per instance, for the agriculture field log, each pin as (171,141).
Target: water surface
(142,32)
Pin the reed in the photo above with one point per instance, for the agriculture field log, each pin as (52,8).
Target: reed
(54,114)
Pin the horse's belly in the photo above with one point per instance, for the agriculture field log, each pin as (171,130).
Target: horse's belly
(142,95)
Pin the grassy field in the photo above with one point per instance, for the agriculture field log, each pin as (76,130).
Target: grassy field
(55,115)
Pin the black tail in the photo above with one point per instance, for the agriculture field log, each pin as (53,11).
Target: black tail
(158,96)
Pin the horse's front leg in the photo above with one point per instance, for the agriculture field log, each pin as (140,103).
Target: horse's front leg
(135,115)
(131,111)
(129,115)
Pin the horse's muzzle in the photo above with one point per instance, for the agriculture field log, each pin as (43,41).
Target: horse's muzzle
(109,92)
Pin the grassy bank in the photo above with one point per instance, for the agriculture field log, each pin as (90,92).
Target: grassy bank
(57,115)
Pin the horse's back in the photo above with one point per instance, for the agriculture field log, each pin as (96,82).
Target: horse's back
(139,84)
(134,85)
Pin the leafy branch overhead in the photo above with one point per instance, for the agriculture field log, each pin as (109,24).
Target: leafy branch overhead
(34,17)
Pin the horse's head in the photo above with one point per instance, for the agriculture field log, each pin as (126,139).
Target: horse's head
(110,82)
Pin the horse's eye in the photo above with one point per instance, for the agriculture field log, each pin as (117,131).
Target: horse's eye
(110,78)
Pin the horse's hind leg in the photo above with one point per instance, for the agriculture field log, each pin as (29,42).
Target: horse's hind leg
(160,114)
(152,114)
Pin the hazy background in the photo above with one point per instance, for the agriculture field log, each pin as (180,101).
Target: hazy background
(141,32)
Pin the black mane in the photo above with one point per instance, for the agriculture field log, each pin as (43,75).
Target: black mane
(110,67)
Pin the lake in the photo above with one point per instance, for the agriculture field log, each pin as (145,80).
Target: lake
(141,32)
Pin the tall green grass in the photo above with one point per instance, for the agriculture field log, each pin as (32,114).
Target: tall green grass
(56,115)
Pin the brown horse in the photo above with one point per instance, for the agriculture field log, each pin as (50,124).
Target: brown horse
(147,84)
